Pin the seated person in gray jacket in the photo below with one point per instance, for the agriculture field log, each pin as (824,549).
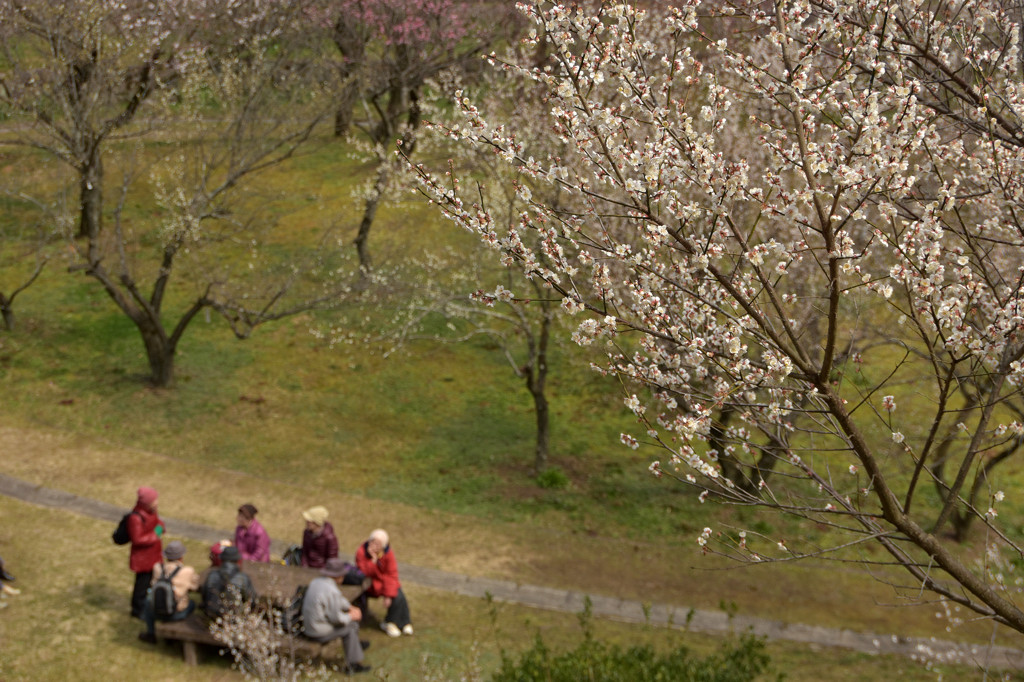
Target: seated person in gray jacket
(327,615)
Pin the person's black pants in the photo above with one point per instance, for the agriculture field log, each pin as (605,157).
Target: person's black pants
(398,613)
(142,581)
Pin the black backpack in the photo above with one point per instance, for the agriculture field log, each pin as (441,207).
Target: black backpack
(291,619)
(353,576)
(220,595)
(165,604)
(120,536)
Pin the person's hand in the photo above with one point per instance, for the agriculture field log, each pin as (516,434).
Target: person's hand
(387,602)
(159,530)
(355,613)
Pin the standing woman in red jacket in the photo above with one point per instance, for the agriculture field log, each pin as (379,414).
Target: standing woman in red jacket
(377,562)
(144,531)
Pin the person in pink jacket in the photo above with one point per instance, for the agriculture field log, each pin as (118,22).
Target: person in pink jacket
(251,537)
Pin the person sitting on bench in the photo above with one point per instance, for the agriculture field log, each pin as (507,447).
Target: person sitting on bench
(318,540)
(227,585)
(182,578)
(377,562)
(327,615)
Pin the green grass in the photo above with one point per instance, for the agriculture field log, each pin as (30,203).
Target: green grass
(71,623)
(437,440)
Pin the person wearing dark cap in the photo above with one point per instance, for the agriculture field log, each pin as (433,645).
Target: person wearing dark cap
(227,585)
(327,615)
(251,538)
(144,531)
(184,579)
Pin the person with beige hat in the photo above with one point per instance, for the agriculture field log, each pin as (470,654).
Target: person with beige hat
(318,540)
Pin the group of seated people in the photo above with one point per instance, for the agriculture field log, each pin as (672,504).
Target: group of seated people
(326,614)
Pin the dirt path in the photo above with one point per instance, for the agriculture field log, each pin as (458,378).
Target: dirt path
(701,620)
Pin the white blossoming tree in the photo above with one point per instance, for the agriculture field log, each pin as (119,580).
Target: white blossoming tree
(786,213)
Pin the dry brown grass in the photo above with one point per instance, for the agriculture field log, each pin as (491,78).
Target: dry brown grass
(71,625)
(829,596)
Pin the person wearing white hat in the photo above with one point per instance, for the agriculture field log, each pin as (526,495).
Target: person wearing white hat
(318,540)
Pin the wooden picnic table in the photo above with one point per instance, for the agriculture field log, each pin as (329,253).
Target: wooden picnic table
(279,582)
(272,581)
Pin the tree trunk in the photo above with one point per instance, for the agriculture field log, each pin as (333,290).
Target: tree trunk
(730,467)
(8,313)
(160,353)
(369,213)
(762,469)
(91,196)
(540,403)
(343,115)
(536,380)
(342,120)
(962,521)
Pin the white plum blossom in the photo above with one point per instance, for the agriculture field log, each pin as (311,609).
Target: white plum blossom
(782,226)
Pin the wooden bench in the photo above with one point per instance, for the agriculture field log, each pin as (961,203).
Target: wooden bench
(273,582)
(193,631)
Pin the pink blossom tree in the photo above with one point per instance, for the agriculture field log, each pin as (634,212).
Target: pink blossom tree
(789,212)
(390,53)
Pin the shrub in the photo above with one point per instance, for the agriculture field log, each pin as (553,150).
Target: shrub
(553,479)
(742,660)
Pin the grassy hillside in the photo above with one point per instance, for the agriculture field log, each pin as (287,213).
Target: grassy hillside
(441,437)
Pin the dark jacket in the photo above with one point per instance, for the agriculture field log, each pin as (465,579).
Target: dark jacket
(146,546)
(218,595)
(383,572)
(316,550)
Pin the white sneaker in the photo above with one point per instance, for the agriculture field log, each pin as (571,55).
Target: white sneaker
(391,629)
(407,630)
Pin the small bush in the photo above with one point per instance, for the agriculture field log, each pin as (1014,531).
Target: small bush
(744,660)
(553,479)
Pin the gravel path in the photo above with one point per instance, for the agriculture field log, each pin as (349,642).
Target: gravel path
(626,610)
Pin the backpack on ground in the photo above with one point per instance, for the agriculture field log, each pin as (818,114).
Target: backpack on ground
(353,576)
(292,556)
(120,536)
(165,603)
(291,618)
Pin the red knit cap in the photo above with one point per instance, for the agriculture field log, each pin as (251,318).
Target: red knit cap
(147,496)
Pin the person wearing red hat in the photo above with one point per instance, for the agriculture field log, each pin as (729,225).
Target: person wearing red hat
(144,531)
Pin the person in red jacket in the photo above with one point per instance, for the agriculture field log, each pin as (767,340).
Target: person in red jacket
(144,531)
(377,562)
(318,540)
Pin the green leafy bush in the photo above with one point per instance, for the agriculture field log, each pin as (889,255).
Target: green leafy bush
(553,479)
(743,660)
